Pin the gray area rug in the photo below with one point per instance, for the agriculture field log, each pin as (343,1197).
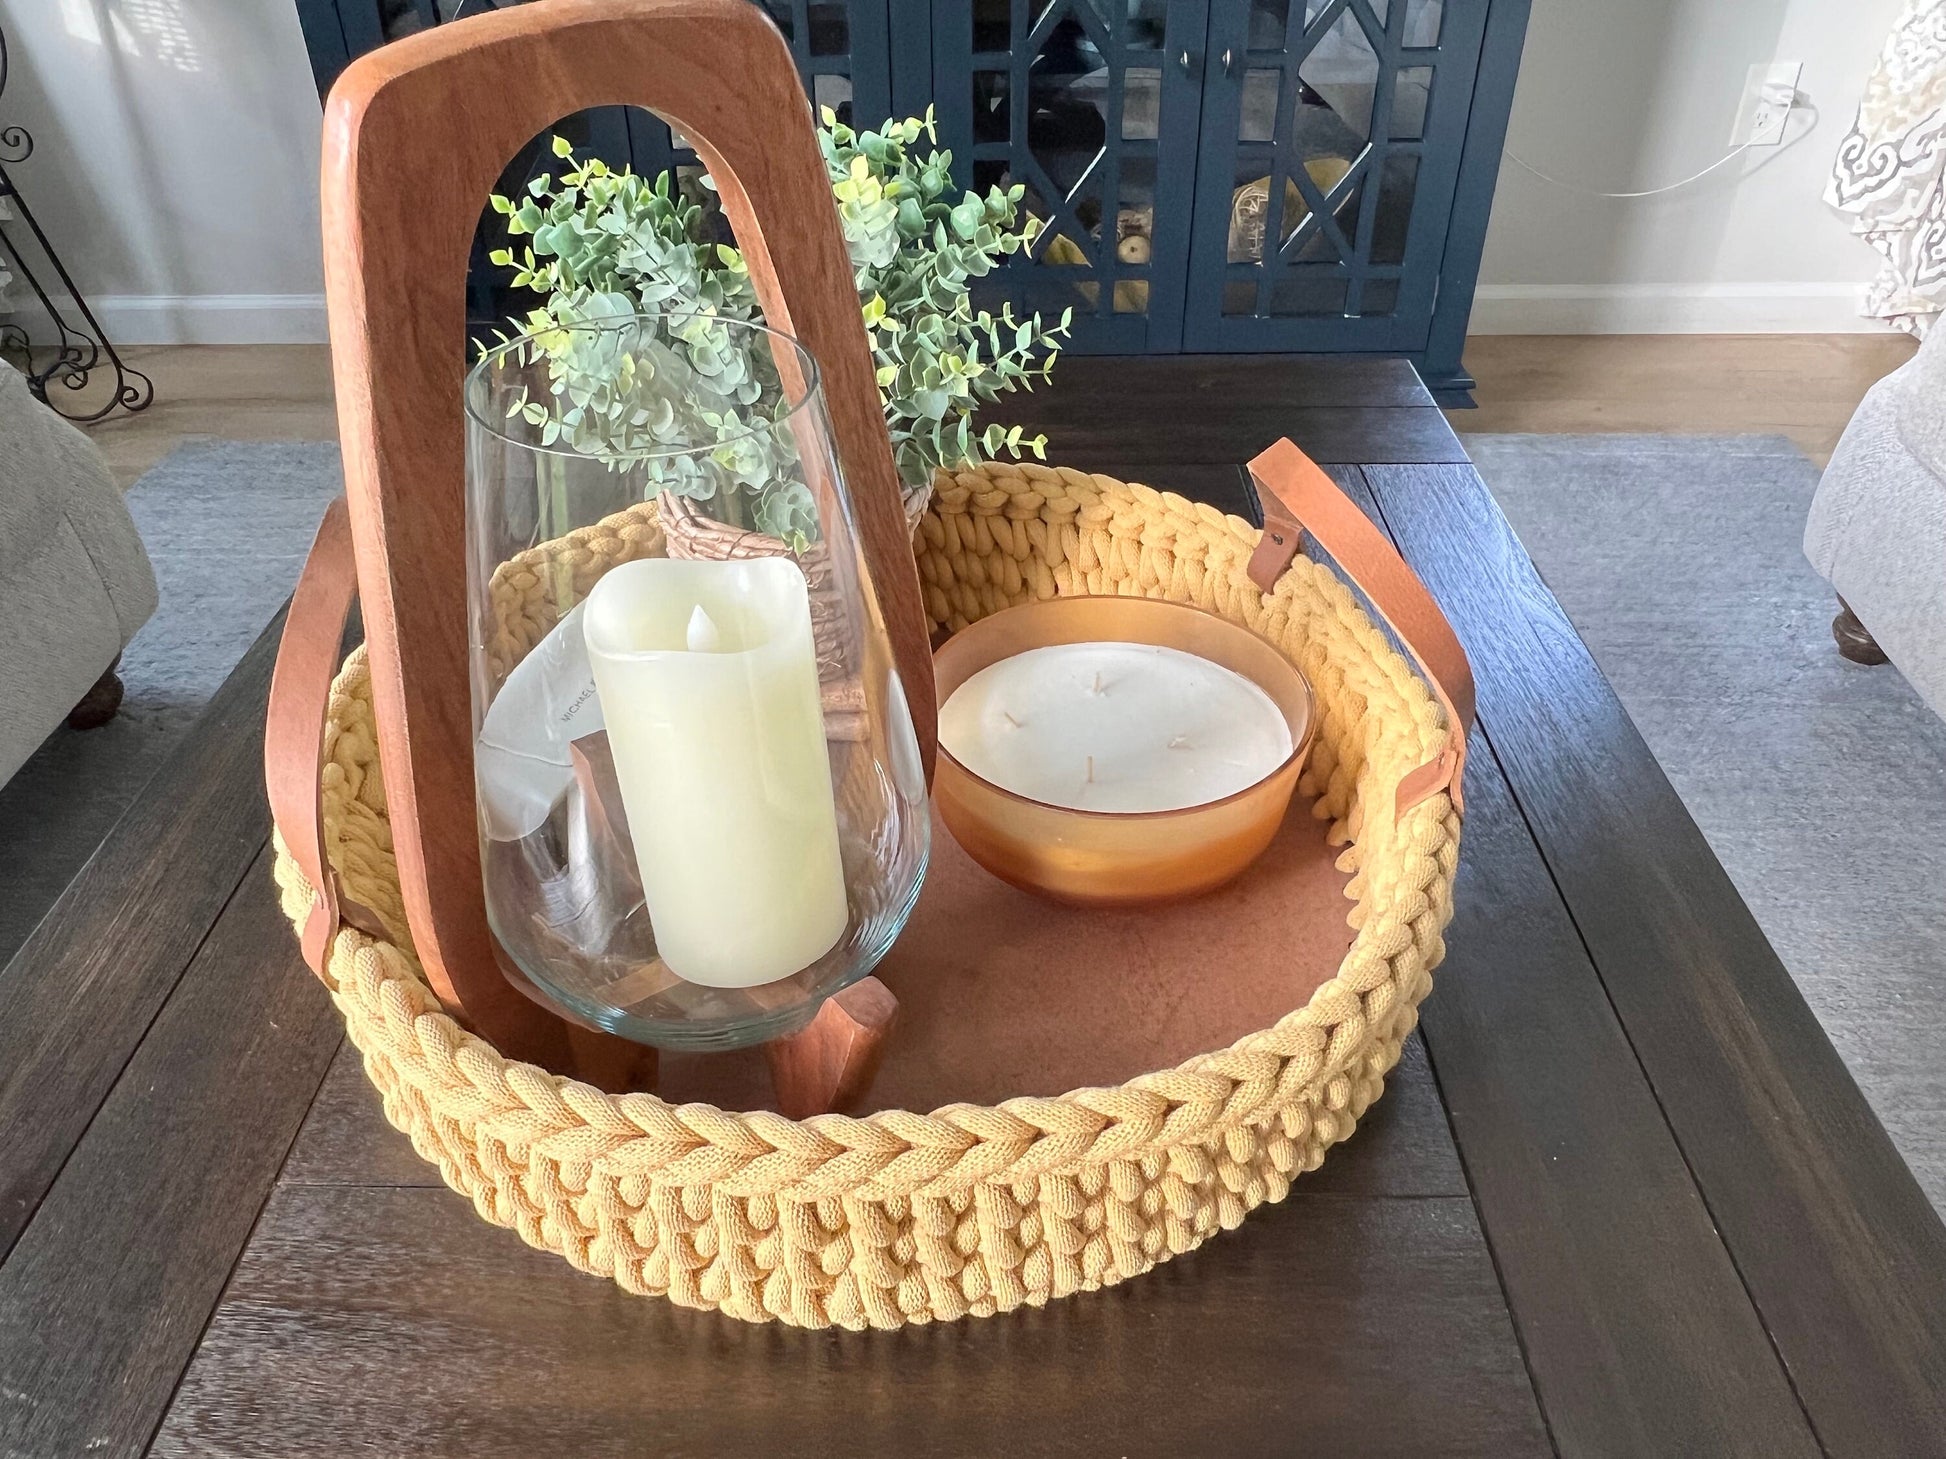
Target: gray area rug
(1818,782)
(227,524)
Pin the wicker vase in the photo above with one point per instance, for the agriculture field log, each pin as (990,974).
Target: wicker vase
(691,534)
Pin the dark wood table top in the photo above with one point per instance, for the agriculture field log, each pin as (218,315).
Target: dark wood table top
(1621,1196)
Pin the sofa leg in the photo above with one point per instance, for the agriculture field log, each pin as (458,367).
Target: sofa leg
(99,704)
(1855,641)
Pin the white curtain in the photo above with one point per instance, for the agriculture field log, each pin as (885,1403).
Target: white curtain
(1890,175)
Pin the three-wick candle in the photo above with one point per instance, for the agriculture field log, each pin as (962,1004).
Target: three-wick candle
(1114,727)
(1115,751)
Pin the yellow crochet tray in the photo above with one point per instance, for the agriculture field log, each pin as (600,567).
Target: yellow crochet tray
(1017,1150)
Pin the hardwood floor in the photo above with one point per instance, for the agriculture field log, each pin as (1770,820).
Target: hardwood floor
(1803,386)
(237,392)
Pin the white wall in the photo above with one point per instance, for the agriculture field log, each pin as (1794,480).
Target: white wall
(175,162)
(1625,95)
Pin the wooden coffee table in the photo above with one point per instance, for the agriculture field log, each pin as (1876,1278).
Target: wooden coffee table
(1621,1198)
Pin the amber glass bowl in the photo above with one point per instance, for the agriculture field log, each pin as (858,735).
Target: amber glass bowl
(1114,858)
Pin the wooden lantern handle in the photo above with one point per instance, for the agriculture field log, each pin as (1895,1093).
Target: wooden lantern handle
(415,137)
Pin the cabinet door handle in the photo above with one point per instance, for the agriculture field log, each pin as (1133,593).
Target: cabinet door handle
(1229,63)
(1186,63)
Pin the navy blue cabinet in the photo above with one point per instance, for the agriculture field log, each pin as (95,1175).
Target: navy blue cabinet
(841,48)
(1092,108)
(1237,175)
(1214,175)
(1328,152)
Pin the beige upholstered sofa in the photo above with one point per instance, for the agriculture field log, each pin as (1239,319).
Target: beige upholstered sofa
(1877,530)
(75,583)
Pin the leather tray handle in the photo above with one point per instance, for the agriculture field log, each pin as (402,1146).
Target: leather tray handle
(300,696)
(1298,497)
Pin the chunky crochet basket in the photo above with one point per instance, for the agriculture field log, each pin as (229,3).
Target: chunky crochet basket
(906,1216)
(900,1215)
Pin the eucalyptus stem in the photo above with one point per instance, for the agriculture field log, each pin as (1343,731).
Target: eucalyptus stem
(556,521)
(606,243)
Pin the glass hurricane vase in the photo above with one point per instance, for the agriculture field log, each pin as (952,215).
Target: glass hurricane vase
(701,809)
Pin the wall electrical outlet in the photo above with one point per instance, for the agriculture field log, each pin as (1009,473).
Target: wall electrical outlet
(1769,93)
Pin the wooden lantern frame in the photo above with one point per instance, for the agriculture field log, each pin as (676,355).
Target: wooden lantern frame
(415,137)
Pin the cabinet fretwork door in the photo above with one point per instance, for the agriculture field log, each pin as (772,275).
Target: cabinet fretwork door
(1090,106)
(1330,143)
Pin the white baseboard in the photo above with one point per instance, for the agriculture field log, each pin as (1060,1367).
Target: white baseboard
(1782,308)
(133,319)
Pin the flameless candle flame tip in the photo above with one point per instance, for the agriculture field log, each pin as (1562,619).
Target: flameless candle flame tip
(702,635)
(1091,770)
(1097,687)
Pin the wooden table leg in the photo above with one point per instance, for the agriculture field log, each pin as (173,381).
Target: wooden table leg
(99,704)
(1854,639)
(829,1066)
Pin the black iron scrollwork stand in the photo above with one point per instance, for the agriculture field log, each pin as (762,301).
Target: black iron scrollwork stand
(79,349)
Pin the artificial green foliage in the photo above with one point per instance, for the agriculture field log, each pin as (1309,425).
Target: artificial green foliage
(606,243)
(688,402)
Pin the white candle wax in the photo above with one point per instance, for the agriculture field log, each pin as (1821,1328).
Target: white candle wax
(1114,727)
(709,688)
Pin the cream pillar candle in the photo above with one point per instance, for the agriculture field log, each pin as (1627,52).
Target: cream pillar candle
(709,689)
(1122,727)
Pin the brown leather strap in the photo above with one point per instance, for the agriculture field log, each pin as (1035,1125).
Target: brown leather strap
(300,694)
(1297,496)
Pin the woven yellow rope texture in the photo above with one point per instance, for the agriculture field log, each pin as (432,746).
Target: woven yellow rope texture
(907,1217)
